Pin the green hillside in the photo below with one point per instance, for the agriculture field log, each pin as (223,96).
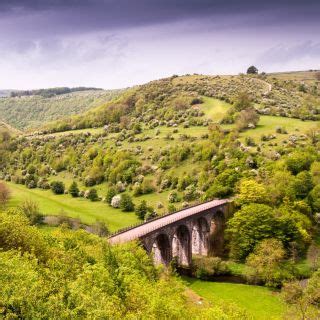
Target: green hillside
(31,111)
(155,149)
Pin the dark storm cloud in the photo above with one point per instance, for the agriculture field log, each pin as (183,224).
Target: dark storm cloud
(128,13)
(114,43)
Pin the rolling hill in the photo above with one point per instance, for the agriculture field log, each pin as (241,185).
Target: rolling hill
(32,111)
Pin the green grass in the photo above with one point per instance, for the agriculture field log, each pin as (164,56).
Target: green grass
(214,109)
(83,209)
(260,302)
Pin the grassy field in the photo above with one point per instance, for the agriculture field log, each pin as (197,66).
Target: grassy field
(86,210)
(214,109)
(260,302)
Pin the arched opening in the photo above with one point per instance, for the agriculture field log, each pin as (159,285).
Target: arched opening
(161,250)
(181,246)
(217,234)
(200,237)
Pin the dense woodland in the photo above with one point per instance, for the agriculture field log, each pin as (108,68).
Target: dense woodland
(166,138)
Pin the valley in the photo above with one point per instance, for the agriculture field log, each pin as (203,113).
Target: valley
(124,157)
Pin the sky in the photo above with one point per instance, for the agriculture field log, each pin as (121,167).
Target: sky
(119,43)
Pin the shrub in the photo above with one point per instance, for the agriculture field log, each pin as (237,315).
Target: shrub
(57,187)
(31,210)
(126,203)
(115,202)
(267,265)
(252,191)
(93,194)
(206,267)
(142,210)
(173,197)
(111,192)
(5,194)
(74,190)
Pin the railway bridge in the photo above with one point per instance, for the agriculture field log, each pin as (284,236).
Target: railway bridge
(195,230)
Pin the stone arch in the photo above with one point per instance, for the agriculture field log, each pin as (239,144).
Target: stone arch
(161,250)
(217,227)
(181,246)
(200,237)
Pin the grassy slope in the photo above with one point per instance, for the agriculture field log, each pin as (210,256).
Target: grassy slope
(33,111)
(259,302)
(86,210)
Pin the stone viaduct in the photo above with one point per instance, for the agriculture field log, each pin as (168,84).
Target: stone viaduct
(194,230)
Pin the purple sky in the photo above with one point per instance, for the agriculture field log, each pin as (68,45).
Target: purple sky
(119,43)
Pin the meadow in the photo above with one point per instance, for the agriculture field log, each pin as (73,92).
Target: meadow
(87,211)
(261,303)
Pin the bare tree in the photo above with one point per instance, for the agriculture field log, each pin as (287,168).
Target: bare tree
(5,194)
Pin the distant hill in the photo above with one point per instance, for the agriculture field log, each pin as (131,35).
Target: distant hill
(5,93)
(50,92)
(32,111)
(283,94)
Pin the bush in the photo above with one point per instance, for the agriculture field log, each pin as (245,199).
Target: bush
(5,194)
(74,190)
(93,194)
(111,192)
(142,210)
(252,191)
(57,187)
(173,197)
(267,265)
(205,267)
(126,203)
(31,210)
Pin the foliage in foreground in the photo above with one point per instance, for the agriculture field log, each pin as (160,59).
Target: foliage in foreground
(75,275)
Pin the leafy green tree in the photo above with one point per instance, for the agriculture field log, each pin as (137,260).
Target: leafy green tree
(304,299)
(302,184)
(57,187)
(74,190)
(5,194)
(248,227)
(32,211)
(314,198)
(267,264)
(243,102)
(126,203)
(251,191)
(252,70)
(299,161)
(93,194)
(141,210)
(111,192)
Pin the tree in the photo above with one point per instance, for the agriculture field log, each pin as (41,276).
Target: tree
(31,210)
(126,203)
(57,187)
(304,298)
(5,194)
(267,265)
(141,210)
(252,70)
(74,190)
(93,194)
(243,101)
(246,118)
(111,192)
(248,227)
(251,191)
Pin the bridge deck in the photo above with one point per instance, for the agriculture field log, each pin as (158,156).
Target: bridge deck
(144,229)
